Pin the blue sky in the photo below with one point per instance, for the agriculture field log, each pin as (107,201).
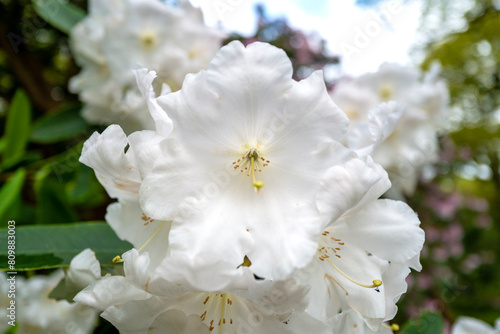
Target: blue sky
(317,8)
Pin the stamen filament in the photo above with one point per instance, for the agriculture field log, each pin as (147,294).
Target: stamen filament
(222,312)
(152,236)
(376,283)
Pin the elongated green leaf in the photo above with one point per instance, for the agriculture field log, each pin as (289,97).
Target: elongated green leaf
(10,190)
(53,246)
(17,129)
(61,15)
(63,125)
(427,323)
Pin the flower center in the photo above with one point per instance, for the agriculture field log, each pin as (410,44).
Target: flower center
(386,92)
(218,311)
(250,163)
(330,246)
(148,40)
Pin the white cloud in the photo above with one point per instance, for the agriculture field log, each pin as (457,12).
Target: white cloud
(366,37)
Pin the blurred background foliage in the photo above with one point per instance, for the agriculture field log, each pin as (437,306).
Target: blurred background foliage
(458,200)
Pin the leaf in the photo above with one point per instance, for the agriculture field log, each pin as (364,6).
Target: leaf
(17,129)
(52,202)
(60,126)
(427,323)
(85,189)
(3,144)
(11,330)
(60,14)
(53,246)
(11,190)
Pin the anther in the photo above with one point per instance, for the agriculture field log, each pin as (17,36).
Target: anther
(117,259)
(394,327)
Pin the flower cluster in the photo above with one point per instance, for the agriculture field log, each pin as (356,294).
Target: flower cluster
(413,109)
(118,35)
(246,212)
(37,312)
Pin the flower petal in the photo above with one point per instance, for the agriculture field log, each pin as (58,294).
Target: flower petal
(83,270)
(110,290)
(351,187)
(176,322)
(388,229)
(116,170)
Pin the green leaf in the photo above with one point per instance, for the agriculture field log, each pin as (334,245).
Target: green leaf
(85,190)
(17,129)
(11,330)
(427,323)
(53,246)
(52,202)
(11,190)
(65,124)
(61,15)
(3,144)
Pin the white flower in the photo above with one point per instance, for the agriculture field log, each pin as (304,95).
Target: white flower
(365,252)
(468,325)
(365,137)
(116,36)
(249,305)
(245,175)
(83,270)
(239,173)
(115,169)
(403,149)
(37,313)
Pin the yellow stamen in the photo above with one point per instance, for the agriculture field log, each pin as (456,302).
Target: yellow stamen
(152,236)
(222,312)
(117,259)
(334,280)
(376,283)
(394,327)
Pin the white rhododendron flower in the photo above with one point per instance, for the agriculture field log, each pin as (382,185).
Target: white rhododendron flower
(37,313)
(250,305)
(468,325)
(414,119)
(243,201)
(365,251)
(119,34)
(239,173)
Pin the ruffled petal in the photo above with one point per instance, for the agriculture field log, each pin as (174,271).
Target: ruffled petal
(108,291)
(388,229)
(116,170)
(350,187)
